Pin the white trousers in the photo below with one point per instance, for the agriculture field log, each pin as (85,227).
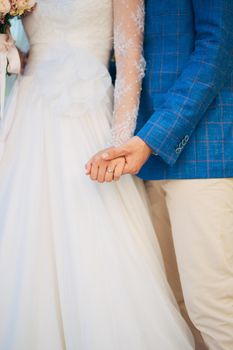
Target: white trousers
(194,223)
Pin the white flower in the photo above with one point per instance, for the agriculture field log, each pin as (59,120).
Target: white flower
(31,3)
(23,5)
(5,7)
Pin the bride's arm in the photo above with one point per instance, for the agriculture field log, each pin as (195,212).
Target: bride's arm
(21,42)
(128,44)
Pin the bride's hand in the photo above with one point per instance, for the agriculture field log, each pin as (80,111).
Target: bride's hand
(101,170)
(115,169)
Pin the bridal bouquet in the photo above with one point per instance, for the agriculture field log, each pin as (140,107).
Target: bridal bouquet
(9,55)
(13,8)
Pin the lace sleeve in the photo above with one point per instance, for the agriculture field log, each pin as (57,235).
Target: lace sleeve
(130,64)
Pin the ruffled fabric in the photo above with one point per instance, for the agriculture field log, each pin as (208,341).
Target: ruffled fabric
(84,81)
(9,116)
(71,81)
(84,270)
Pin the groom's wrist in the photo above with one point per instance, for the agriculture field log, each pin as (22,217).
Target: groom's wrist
(152,151)
(162,145)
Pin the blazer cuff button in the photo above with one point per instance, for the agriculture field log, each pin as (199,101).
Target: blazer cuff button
(178,150)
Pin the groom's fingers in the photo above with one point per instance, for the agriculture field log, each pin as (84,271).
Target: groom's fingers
(113,153)
(131,167)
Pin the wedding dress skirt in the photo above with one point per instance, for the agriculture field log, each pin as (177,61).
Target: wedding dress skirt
(80,267)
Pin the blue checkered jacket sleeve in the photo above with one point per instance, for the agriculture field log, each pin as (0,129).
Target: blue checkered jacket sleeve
(200,81)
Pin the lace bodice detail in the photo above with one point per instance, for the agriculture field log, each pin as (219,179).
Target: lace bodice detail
(82,23)
(70,17)
(128,39)
(94,25)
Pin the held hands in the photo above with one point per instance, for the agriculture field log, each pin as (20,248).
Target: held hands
(101,170)
(110,164)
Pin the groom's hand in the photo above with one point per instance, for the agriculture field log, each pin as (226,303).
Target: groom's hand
(135,151)
(131,157)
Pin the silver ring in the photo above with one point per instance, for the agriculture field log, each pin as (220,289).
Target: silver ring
(110,171)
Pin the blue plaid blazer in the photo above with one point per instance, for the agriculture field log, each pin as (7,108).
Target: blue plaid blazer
(186,111)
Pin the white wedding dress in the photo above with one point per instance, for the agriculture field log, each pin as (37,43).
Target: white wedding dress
(80,267)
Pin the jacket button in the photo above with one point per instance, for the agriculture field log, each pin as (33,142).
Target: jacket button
(178,150)
(184,142)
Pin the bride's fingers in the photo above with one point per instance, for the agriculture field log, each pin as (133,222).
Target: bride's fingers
(119,169)
(101,172)
(88,168)
(94,172)
(109,174)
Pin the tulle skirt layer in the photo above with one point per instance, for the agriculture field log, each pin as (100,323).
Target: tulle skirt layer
(80,268)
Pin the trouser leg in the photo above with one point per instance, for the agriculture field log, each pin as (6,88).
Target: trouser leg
(201,216)
(161,220)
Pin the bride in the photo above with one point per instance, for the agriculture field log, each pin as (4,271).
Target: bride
(80,267)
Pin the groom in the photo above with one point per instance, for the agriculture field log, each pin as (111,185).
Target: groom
(185,133)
